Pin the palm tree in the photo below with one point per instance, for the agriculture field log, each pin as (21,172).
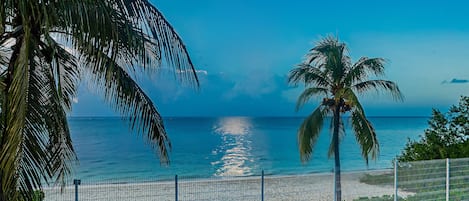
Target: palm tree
(46,48)
(328,71)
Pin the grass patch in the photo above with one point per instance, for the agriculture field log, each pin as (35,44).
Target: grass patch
(376,198)
(378,179)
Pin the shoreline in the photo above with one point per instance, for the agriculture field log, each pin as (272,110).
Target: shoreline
(166,178)
(317,186)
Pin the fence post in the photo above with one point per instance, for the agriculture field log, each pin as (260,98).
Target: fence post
(176,188)
(447,179)
(335,186)
(262,186)
(76,182)
(395,180)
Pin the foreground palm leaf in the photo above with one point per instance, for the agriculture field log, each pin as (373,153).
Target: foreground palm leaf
(328,71)
(46,47)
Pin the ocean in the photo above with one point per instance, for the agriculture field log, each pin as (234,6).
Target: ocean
(224,147)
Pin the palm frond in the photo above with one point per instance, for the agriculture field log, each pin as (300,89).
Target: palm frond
(65,70)
(2,17)
(332,56)
(307,94)
(3,77)
(4,55)
(42,145)
(168,40)
(378,85)
(126,97)
(14,113)
(362,68)
(365,134)
(134,30)
(96,27)
(324,48)
(34,157)
(131,33)
(308,75)
(309,131)
(55,104)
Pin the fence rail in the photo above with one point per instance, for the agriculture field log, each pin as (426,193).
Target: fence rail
(424,180)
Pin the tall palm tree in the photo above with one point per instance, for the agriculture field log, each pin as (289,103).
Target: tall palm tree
(46,47)
(328,71)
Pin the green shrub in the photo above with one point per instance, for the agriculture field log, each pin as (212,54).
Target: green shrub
(37,196)
(446,137)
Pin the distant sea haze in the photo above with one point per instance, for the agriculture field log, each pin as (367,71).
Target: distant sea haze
(224,147)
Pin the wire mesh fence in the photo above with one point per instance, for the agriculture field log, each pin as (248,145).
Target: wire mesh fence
(426,178)
(299,187)
(459,179)
(220,189)
(114,190)
(423,180)
(446,179)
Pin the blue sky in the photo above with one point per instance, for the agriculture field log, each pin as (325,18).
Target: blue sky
(243,50)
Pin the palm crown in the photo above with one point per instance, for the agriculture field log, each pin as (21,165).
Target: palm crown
(328,71)
(46,47)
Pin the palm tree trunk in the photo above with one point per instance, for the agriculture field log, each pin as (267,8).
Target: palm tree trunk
(335,141)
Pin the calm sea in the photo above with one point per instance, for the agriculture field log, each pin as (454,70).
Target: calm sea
(224,147)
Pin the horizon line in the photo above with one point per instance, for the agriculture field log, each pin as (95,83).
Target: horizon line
(251,116)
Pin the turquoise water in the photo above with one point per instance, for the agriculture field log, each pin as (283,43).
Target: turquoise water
(223,147)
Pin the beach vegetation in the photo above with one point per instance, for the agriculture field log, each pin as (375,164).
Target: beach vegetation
(46,48)
(38,195)
(328,72)
(378,179)
(447,135)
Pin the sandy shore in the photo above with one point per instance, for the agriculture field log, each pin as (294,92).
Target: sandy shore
(276,188)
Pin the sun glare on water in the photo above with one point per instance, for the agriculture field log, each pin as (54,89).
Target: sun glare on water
(236,147)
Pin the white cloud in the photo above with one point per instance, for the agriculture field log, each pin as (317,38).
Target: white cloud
(254,84)
(190,71)
(202,72)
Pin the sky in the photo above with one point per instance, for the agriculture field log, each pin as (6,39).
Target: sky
(244,49)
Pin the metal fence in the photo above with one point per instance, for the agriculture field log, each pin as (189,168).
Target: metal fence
(446,179)
(423,180)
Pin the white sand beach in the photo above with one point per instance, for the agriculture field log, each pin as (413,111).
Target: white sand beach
(277,188)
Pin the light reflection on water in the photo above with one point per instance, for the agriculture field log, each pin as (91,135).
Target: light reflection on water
(236,148)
